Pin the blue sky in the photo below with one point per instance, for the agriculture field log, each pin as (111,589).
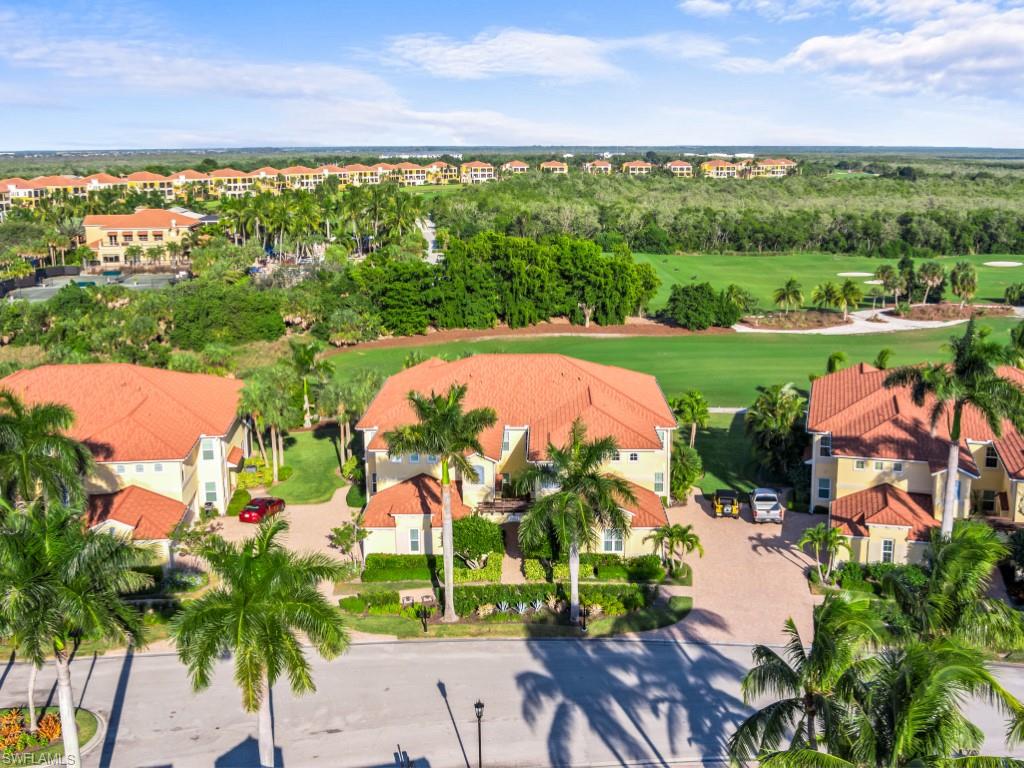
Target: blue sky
(79,75)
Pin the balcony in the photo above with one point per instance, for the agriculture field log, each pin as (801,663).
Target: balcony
(504,506)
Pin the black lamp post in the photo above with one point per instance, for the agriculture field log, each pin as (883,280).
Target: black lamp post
(479,709)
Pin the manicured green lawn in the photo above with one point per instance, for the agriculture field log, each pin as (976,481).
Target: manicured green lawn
(313,457)
(762,274)
(726,367)
(725,450)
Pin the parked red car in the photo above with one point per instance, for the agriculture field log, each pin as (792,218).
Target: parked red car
(257,509)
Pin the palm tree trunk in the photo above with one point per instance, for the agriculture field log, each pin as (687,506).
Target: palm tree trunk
(693,433)
(259,440)
(307,418)
(265,730)
(448,546)
(280,446)
(809,714)
(574,583)
(344,438)
(68,726)
(273,450)
(948,504)
(33,720)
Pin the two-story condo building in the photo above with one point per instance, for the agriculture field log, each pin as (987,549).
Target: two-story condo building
(514,167)
(165,443)
(880,469)
(636,167)
(597,167)
(537,398)
(554,166)
(679,168)
(476,172)
(110,235)
(719,169)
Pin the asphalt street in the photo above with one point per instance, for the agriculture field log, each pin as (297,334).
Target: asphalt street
(567,703)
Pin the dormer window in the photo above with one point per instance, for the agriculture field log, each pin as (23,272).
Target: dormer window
(825,445)
(991,458)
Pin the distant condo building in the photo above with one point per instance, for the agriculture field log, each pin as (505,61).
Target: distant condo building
(679,168)
(476,172)
(597,167)
(514,167)
(110,237)
(554,166)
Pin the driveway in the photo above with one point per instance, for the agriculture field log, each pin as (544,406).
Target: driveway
(750,580)
(309,525)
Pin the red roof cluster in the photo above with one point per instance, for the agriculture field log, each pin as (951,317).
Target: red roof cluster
(151,516)
(419,495)
(884,505)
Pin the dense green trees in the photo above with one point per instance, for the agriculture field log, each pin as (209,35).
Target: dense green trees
(698,306)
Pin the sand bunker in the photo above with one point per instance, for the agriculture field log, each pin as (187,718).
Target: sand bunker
(874,282)
(854,274)
(1003,264)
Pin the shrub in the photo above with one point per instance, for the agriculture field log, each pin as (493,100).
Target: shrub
(645,568)
(490,572)
(48,727)
(476,536)
(239,499)
(697,306)
(352,604)
(613,598)
(534,570)
(356,496)
(560,571)
(1014,294)
(381,567)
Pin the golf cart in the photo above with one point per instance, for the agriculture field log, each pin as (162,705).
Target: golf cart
(727,503)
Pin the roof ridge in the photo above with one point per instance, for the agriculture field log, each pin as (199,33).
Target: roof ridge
(575,364)
(184,405)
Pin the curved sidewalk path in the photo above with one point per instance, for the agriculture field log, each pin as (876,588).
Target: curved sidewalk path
(860,324)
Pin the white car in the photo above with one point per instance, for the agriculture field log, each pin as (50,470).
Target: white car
(765,506)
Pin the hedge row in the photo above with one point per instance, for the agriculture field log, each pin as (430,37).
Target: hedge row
(599,566)
(613,598)
(382,567)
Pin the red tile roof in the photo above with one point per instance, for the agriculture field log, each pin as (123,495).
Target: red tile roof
(331,168)
(553,164)
(235,456)
(419,495)
(131,413)
(636,164)
(867,420)
(145,176)
(648,511)
(516,164)
(358,168)
(407,166)
(297,170)
(599,164)
(103,178)
(718,164)
(227,173)
(677,164)
(884,505)
(151,516)
(146,218)
(190,175)
(543,392)
(266,170)
(477,164)
(58,181)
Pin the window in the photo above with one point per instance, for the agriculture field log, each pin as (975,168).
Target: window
(612,540)
(111,239)
(119,469)
(158,237)
(414,539)
(824,487)
(879,466)
(478,470)
(143,237)
(128,237)
(431,458)
(211,492)
(140,468)
(956,489)
(505,442)
(396,459)
(825,445)
(988,502)
(158,467)
(373,483)
(634,457)
(860,464)
(414,458)
(991,458)
(897,467)
(616,456)
(208,450)
(888,549)
(659,482)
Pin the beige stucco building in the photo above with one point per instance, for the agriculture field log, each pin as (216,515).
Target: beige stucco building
(110,236)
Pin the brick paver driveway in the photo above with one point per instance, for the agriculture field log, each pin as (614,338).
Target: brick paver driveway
(750,579)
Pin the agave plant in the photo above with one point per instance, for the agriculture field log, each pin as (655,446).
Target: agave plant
(522,608)
(503,606)
(537,604)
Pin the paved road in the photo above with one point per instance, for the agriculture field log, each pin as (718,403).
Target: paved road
(565,703)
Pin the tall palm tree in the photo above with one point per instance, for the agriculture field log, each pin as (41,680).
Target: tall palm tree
(691,408)
(573,497)
(70,228)
(931,275)
(970,381)
(836,362)
(963,281)
(789,295)
(267,596)
(252,403)
(907,710)
(809,686)
(892,282)
(674,541)
(824,538)
(445,430)
(771,423)
(36,455)
(849,294)
(61,583)
(308,365)
(881,361)
(826,295)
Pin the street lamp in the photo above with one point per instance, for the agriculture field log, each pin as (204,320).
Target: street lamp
(479,709)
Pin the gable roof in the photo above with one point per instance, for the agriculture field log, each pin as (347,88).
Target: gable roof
(145,218)
(151,516)
(884,505)
(543,392)
(647,511)
(128,412)
(868,420)
(419,495)
(145,176)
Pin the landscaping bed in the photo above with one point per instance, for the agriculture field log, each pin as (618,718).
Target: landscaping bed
(795,321)
(20,747)
(949,311)
(430,568)
(597,567)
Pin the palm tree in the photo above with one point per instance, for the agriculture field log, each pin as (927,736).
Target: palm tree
(836,362)
(36,455)
(789,295)
(267,596)
(252,403)
(685,470)
(771,423)
(672,539)
(931,276)
(881,361)
(61,583)
(71,230)
(307,366)
(970,381)
(826,295)
(907,710)
(828,539)
(691,408)
(892,281)
(445,430)
(573,496)
(849,295)
(963,280)
(809,686)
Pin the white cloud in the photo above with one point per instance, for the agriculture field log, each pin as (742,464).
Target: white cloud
(706,7)
(775,10)
(566,58)
(959,51)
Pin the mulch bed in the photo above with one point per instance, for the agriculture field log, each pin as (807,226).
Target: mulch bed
(951,311)
(796,321)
